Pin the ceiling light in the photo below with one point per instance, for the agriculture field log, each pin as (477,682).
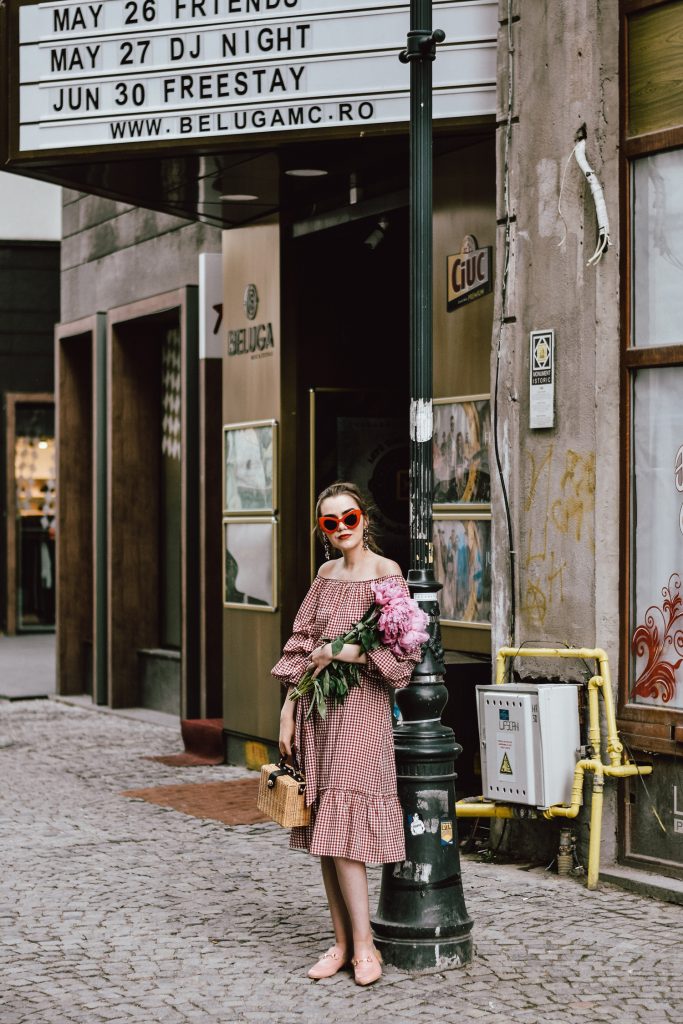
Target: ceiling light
(238,197)
(306,172)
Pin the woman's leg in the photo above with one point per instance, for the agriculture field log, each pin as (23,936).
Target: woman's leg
(340,954)
(341,921)
(353,883)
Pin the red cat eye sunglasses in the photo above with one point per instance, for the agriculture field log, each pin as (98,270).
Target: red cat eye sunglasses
(350,519)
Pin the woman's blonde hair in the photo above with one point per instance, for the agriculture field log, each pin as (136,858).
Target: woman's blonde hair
(360,501)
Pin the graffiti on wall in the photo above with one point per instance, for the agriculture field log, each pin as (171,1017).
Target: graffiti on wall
(559,502)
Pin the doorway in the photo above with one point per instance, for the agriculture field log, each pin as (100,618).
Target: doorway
(350,313)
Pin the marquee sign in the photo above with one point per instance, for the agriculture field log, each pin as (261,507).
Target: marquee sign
(111,72)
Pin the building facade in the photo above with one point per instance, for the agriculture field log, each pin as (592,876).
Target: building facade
(558,249)
(135,395)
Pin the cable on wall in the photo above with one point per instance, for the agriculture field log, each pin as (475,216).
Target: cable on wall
(503,318)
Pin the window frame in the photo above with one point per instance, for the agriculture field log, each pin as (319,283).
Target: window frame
(653,728)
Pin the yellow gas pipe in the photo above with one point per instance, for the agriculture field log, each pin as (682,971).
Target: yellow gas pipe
(600,683)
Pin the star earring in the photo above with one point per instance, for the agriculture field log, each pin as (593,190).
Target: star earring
(326,545)
(366,537)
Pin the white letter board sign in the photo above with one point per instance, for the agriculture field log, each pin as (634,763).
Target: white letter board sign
(130,71)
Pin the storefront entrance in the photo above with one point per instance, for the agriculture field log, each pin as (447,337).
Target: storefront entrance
(31,490)
(350,302)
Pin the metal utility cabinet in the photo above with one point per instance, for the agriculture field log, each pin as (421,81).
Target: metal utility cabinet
(530,742)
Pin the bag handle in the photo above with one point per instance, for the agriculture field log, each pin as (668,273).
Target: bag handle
(286,769)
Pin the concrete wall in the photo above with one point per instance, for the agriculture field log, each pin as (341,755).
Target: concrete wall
(113,253)
(563,482)
(30,210)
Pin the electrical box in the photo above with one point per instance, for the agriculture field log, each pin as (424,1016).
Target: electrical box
(529,739)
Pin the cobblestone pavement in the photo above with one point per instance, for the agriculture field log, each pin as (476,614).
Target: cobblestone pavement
(114,910)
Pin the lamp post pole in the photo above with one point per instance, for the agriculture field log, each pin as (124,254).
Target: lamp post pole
(421,919)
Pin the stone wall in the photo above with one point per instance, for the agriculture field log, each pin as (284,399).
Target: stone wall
(563,482)
(113,254)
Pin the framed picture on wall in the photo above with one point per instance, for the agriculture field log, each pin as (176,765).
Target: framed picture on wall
(462,563)
(250,564)
(460,451)
(250,468)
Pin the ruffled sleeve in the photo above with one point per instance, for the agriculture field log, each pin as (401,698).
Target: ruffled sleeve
(394,670)
(297,650)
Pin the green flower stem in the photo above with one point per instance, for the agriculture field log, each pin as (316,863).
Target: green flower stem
(335,680)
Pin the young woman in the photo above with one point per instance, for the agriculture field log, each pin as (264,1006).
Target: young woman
(347,757)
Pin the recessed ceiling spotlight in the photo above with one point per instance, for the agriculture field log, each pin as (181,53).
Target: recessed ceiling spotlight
(239,197)
(306,172)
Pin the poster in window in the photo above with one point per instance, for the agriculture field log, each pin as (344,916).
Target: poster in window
(462,563)
(250,467)
(460,449)
(249,564)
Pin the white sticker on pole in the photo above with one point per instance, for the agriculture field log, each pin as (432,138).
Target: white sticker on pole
(542,379)
(421,419)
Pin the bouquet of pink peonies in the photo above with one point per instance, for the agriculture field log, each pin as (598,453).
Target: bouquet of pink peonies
(394,621)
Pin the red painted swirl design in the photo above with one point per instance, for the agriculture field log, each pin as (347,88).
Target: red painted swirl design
(660,640)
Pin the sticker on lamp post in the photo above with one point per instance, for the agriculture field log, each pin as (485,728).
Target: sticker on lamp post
(542,379)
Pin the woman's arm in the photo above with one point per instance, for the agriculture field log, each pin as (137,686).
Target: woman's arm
(297,651)
(286,738)
(322,656)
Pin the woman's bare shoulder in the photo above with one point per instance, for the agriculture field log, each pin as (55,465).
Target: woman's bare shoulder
(327,569)
(386,567)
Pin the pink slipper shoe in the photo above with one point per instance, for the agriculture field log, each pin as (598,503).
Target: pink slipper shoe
(367,969)
(328,964)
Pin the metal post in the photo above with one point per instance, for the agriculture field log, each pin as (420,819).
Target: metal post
(421,918)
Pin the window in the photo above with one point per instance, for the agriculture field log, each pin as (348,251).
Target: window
(652,408)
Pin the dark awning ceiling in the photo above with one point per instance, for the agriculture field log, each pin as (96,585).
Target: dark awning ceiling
(194,185)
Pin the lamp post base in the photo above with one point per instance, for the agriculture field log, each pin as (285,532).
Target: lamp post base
(421,919)
(413,955)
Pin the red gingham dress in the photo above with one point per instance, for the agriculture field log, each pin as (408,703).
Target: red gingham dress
(348,757)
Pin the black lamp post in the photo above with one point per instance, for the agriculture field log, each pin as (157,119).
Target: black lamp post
(421,918)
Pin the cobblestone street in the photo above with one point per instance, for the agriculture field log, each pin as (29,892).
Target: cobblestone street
(114,910)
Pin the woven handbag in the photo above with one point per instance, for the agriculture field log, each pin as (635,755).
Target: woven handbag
(282,795)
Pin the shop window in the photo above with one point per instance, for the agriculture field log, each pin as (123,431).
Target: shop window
(651,691)
(652,397)
(35,500)
(657,251)
(657,517)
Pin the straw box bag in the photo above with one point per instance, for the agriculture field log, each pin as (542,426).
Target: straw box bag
(282,795)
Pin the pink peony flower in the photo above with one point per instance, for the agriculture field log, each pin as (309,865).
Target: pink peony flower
(403,624)
(387,590)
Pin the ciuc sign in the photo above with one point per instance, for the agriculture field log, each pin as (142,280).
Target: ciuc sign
(469,273)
